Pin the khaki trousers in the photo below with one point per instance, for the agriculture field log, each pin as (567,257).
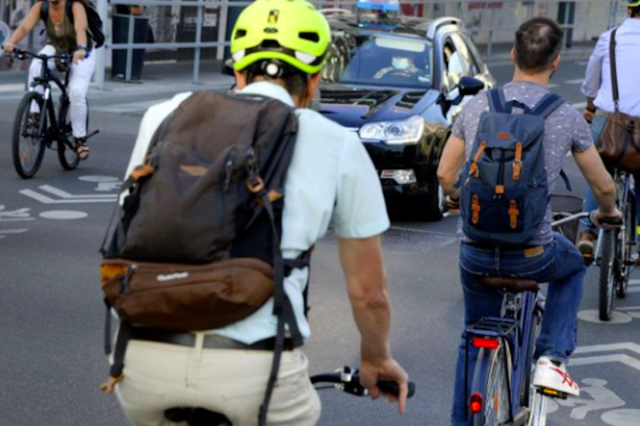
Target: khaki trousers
(159,376)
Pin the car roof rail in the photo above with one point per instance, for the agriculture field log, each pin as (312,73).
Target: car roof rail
(441,22)
(336,11)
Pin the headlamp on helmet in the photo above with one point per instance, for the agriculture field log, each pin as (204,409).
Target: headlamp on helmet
(290,31)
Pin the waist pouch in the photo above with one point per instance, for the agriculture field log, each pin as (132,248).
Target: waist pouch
(186,297)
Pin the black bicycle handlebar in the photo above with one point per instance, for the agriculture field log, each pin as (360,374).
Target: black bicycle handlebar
(610,221)
(23,54)
(348,380)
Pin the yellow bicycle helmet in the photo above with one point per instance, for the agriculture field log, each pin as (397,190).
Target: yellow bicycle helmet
(291,31)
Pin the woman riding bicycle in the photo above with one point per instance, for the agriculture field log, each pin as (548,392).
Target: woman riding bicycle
(64,36)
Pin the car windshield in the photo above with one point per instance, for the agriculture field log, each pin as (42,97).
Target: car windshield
(379,60)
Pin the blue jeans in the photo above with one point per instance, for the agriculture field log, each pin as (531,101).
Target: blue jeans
(561,265)
(591,203)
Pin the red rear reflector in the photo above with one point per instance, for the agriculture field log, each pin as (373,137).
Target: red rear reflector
(475,404)
(479,342)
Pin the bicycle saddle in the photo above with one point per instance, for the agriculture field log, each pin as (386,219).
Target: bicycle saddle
(513,285)
(196,417)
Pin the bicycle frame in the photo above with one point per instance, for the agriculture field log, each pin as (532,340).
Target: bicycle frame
(46,76)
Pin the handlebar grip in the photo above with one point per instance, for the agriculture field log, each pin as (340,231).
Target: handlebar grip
(392,388)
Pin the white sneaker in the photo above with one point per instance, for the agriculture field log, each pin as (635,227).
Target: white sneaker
(553,375)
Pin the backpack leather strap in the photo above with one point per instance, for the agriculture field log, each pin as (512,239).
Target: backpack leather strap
(614,71)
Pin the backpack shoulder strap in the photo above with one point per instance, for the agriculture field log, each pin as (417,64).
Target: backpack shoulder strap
(69,10)
(496,101)
(44,11)
(547,105)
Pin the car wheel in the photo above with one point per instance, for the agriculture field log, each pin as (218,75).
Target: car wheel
(432,203)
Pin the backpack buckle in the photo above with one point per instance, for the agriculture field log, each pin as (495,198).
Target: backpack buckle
(475,171)
(513,214)
(517,162)
(255,184)
(142,171)
(475,208)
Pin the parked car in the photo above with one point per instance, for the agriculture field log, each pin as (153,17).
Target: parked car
(398,84)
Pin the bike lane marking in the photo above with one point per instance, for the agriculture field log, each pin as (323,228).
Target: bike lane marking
(628,417)
(593,316)
(63,215)
(12,216)
(103,184)
(600,398)
(595,397)
(64,197)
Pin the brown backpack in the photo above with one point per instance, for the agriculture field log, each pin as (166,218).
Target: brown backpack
(196,243)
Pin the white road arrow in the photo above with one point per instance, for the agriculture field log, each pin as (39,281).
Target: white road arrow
(65,197)
(14,215)
(4,232)
(603,359)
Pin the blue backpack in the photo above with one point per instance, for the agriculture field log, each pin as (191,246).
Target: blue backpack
(504,190)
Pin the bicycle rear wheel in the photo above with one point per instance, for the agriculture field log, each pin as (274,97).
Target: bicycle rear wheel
(608,265)
(67,155)
(28,141)
(627,245)
(490,379)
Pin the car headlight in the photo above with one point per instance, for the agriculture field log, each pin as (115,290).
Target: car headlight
(406,132)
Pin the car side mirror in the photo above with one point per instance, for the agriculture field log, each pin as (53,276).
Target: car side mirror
(469,86)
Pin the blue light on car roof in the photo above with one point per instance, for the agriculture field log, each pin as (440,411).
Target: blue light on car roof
(383,5)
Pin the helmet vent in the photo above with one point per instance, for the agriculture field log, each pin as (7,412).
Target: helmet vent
(270,44)
(314,37)
(240,34)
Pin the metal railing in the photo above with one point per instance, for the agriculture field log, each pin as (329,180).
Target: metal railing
(482,19)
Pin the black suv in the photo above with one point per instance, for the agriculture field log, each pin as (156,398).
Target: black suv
(398,85)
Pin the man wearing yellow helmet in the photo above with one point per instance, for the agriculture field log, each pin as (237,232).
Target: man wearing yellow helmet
(278,49)
(599,90)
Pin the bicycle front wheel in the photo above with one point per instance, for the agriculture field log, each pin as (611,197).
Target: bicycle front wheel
(490,382)
(607,280)
(67,155)
(28,136)
(627,245)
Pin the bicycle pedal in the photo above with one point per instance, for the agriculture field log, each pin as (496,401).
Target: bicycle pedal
(553,393)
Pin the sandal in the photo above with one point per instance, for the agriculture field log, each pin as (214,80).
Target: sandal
(82,149)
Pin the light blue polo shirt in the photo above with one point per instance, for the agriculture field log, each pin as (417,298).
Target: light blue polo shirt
(331,182)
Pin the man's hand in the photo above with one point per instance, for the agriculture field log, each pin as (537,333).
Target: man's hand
(79,55)
(598,215)
(589,115)
(9,47)
(452,203)
(371,372)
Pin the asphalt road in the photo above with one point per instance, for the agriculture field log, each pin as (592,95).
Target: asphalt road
(51,313)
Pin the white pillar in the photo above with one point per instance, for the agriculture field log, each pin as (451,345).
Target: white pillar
(101,54)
